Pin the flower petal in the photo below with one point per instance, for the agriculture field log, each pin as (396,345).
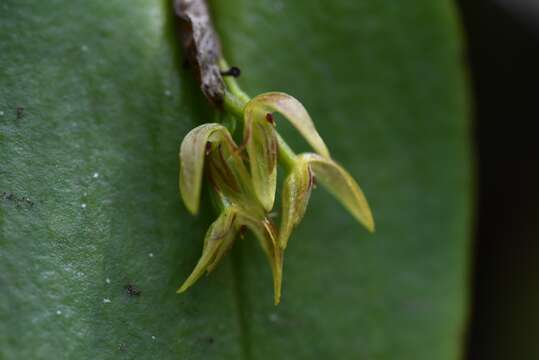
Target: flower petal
(219,238)
(265,233)
(339,182)
(230,178)
(296,194)
(295,112)
(261,143)
(192,153)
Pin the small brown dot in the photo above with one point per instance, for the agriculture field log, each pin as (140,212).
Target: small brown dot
(132,290)
(269,118)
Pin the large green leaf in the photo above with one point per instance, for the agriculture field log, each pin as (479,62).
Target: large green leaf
(88,184)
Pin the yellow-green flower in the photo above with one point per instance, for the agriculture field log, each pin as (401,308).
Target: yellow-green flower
(244,179)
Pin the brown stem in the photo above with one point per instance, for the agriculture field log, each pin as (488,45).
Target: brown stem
(202,47)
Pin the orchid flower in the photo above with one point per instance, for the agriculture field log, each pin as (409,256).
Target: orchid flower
(244,180)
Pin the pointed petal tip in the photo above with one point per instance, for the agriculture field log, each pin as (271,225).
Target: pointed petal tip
(277,277)
(192,208)
(368,222)
(182,288)
(371,227)
(277,290)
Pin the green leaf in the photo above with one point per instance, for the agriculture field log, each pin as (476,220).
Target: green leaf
(103,104)
(90,174)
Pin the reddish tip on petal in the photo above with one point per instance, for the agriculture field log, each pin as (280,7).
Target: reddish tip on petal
(270,119)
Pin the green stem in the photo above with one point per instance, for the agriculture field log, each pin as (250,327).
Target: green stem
(232,84)
(287,157)
(234,103)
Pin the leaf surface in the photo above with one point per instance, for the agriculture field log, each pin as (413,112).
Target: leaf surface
(93,104)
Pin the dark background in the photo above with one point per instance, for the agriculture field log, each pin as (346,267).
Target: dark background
(503,53)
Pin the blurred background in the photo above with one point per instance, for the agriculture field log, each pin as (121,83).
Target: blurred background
(503,51)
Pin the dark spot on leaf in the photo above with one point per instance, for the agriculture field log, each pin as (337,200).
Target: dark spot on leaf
(20,112)
(132,290)
(17,200)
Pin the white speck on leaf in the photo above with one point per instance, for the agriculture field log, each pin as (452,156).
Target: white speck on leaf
(68,267)
(1,113)
(95,175)
(153,337)
(150,254)
(83,206)
(274,317)
(58,312)
(106,301)
(107,280)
